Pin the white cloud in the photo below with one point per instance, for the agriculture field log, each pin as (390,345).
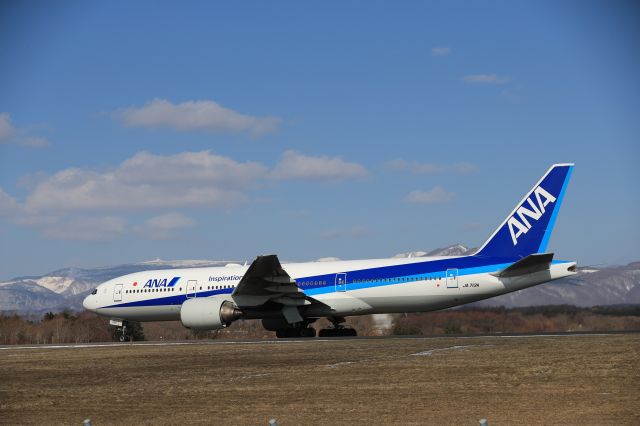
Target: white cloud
(486,79)
(193,168)
(8,205)
(170,221)
(429,168)
(196,116)
(440,51)
(296,166)
(87,228)
(435,195)
(9,134)
(165,226)
(66,204)
(148,181)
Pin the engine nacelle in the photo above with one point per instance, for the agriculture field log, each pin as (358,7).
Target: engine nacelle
(209,313)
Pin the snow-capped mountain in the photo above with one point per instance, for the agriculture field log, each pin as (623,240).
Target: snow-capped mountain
(65,288)
(613,285)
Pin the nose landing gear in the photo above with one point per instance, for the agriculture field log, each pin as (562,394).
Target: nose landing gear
(126,331)
(120,330)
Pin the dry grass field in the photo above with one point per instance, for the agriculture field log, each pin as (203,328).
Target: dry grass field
(521,380)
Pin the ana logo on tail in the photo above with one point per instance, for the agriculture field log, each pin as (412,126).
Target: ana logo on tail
(519,226)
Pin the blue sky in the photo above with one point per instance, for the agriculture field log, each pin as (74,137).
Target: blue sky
(134,131)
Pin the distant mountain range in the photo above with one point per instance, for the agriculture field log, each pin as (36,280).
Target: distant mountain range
(66,288)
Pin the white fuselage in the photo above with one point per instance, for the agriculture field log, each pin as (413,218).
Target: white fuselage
(344,288)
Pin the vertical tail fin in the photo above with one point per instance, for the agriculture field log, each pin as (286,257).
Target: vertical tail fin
(528,227)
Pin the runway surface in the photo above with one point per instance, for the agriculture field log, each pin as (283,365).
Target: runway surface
(308,340)
(573,378)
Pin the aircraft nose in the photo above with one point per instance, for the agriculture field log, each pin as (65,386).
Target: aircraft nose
(86,303)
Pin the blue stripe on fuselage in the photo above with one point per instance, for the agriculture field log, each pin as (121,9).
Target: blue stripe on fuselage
(375,277)
(177,299)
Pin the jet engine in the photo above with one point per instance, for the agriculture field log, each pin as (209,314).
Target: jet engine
(209,313)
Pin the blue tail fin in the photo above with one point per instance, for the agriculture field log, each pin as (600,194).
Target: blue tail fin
(528,227)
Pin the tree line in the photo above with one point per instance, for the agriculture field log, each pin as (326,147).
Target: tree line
(86,327)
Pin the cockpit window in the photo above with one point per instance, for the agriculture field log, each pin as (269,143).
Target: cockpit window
(95,291)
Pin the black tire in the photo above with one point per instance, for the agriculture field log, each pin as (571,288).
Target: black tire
(338,332)
(281,334)
(327,332)
(308,332)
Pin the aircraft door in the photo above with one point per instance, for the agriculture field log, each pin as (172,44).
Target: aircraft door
(191,288)
(341,281)
(117,293)
(452,278)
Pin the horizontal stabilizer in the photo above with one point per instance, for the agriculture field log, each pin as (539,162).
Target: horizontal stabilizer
(527,265)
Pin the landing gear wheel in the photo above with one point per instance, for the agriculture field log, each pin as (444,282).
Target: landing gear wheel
(123,336)
(338,329)
(293,332)
(327,332)
(349,332)
(338,332)
(308,332)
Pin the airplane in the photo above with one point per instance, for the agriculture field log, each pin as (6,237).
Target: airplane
(289,297)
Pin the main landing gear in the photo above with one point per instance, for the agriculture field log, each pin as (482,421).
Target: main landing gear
(338,330)
(296,332)
(302,329)
(284,329)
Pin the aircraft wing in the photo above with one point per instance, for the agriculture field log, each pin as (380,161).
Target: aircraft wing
(266,281)
(527,265)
